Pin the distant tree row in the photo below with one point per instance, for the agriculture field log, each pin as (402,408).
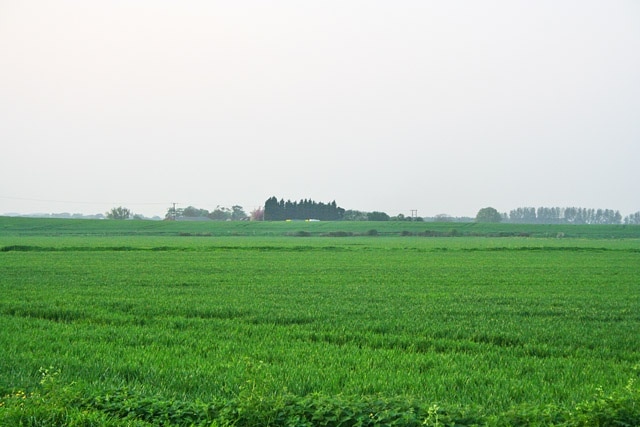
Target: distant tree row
(220,213)
(354,215)
(556,215)
(279,210)
(633,219)
(569,215)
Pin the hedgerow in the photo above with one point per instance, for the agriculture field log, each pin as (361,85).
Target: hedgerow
(54,404)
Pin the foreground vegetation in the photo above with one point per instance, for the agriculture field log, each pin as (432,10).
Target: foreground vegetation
(145,323)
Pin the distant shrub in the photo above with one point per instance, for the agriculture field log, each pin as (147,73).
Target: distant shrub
(300,233)
(19,248)
(372,232)
(340,234)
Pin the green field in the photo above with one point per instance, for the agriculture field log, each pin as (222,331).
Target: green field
(175,323)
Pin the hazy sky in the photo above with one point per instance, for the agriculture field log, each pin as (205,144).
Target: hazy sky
(443,107)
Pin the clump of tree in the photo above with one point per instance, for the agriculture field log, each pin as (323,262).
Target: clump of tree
(236,213)
(378,216)
(220,213)
(119,213)
(354,215)
(257,214)
(570,215)
(279,210)
(488,214)
(403,217)
(193,212)
(633,219)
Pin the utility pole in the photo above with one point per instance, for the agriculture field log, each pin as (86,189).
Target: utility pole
(414,214)
(173,212)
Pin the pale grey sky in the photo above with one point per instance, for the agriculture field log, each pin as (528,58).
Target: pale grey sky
(443,107)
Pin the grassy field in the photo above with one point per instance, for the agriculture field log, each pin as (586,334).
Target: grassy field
(55,227)
(150,323)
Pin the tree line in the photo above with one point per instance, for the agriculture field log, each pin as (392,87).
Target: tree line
(557,215)
(220,213)
(569,215)
(280,210)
